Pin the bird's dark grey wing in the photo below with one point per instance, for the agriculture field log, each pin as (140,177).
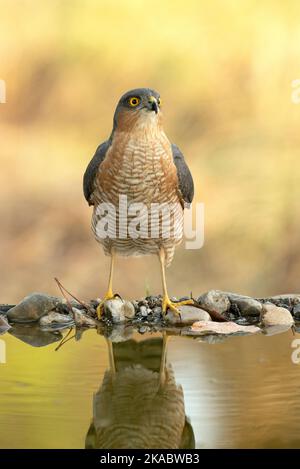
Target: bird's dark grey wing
(185,180)
(91,170)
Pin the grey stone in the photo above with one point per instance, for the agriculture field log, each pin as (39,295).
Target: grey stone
(56,318)
(242,321)
(277,329)
(189,315)
(143,302)
(78,305)
(118,310)
(157,310)
(214,301)
(32,308)
(4,326)
(144,310)
(246,305)
(5,308)
(275,315)
(82,320)
(121,333)
(33,335)
(296,311)
(153,301)
(62,308)
(79,331)
(297,308)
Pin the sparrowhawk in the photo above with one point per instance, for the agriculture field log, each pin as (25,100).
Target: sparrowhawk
(138,164)
(139,404)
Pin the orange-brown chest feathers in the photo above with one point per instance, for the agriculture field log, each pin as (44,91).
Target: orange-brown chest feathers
(138,164)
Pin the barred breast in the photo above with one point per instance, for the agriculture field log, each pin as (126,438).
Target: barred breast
(129,412)
(138,167)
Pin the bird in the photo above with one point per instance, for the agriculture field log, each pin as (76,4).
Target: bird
(139,404)
(139,162)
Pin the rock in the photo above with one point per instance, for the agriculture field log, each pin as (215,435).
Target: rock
(185,298)
(5,308)
(82,320)
(294,297)
(153,301)
(32,308)
(189,315)
(56,318)
(278,329)
(212,338)
(120,333)
(275,315)
(4,326)
(79,331)
(296,311)
(297,308)
(285,301)
(143,302)
(157,310)
(118,310)
(144,311)
(207,327)
(214,300)
(246,305)
(80,306)
(33,335)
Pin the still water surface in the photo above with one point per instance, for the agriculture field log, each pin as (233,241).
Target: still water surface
(240,393)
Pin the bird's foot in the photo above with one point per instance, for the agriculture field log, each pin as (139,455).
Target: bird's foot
(108,296)
(173,306)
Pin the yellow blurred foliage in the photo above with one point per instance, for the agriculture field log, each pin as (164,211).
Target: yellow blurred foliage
(224,70)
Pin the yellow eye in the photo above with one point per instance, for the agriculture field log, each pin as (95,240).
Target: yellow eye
(159,102)
(134,101)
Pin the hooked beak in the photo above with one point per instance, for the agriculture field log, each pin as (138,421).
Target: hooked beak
(152,104)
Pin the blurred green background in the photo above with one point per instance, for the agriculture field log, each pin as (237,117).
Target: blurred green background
(224,71)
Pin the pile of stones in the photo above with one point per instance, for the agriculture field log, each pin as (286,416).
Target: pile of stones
(53,313)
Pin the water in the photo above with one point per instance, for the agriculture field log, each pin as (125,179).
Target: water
(239,393)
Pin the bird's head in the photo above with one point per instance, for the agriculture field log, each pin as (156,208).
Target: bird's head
(139,107)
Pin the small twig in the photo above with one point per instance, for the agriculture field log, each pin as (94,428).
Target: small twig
(214,314)
(63,293)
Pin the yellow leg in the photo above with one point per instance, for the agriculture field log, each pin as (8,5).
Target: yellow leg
(162,371)
(166,302)
(109,294)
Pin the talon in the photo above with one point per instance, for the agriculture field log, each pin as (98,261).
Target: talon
(100,308)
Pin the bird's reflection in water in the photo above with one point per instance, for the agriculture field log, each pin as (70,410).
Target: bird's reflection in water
(139,404)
